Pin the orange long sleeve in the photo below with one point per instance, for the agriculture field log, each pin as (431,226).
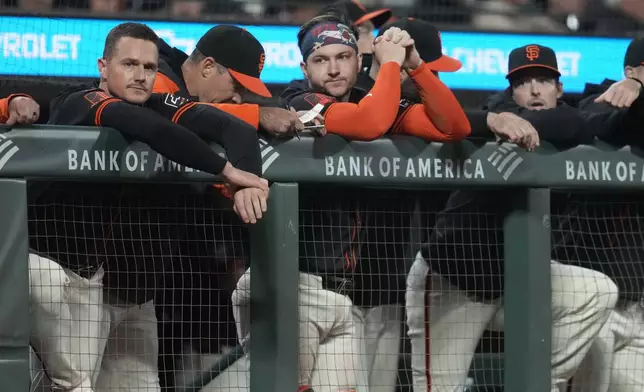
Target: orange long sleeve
(372,117)
(4,110)
(440,105)
(414,122)
(245,111)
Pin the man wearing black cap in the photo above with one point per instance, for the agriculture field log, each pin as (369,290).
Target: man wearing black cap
(225,70)
(455,286)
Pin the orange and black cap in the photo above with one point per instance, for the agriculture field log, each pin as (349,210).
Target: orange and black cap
(532,56)
(358,13)
(428,43)
(237,50)
(635,53)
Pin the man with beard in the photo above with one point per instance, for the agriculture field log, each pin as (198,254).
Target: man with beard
(331,64)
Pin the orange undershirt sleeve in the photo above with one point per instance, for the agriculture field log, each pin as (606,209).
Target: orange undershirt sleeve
(374,115)
(440,105)
(414,122)
(163,84)
(4,110)
(246,112)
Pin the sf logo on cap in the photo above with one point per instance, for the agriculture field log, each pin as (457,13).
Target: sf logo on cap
(532,52)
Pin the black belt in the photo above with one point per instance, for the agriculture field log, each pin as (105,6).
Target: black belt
(338,285)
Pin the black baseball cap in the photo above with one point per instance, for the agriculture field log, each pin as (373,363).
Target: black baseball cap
(532,56)
(428,43)
(635,53)
(237,50)
(358,14)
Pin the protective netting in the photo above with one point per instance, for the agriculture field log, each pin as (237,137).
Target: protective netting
(603,232)
(169,257)
(373,310)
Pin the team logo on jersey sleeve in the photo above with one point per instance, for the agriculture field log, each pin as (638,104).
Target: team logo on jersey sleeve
(174,101)
(321,99)
(96,97)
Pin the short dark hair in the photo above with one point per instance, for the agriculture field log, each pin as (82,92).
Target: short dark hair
(127,30)
(331,16)
(196,56)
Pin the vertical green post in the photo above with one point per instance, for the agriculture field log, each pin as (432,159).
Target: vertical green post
(274,293)
(14,287)
(527,298)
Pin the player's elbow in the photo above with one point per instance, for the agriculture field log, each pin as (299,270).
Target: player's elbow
(374,128)
(461,129)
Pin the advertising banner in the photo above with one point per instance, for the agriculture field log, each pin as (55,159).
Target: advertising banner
(69,47)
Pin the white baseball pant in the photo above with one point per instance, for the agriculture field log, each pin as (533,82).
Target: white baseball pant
(445,325)
(379,328)
(85,344)
(615,362)
(329,350)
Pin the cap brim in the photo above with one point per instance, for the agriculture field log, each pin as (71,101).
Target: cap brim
(378,18)
(445,64)
(553,69)
(254,85)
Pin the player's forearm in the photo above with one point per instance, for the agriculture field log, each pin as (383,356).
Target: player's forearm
(478,124)
(374,115)
(441,106)
(170,140)
(563,126)
(245,112)
(237,137)
(414,122)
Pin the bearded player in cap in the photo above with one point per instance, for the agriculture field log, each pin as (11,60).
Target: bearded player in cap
(224,70)
(356,107)
(455,286)
(380,284)
(330,344)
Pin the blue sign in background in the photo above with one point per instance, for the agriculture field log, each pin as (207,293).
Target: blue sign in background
(70,47)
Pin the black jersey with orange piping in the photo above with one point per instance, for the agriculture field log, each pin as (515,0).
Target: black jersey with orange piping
(173,126)
(333,225)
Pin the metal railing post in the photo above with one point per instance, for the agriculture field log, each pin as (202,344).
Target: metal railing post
(527,298)
(14,286)
(274,293)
